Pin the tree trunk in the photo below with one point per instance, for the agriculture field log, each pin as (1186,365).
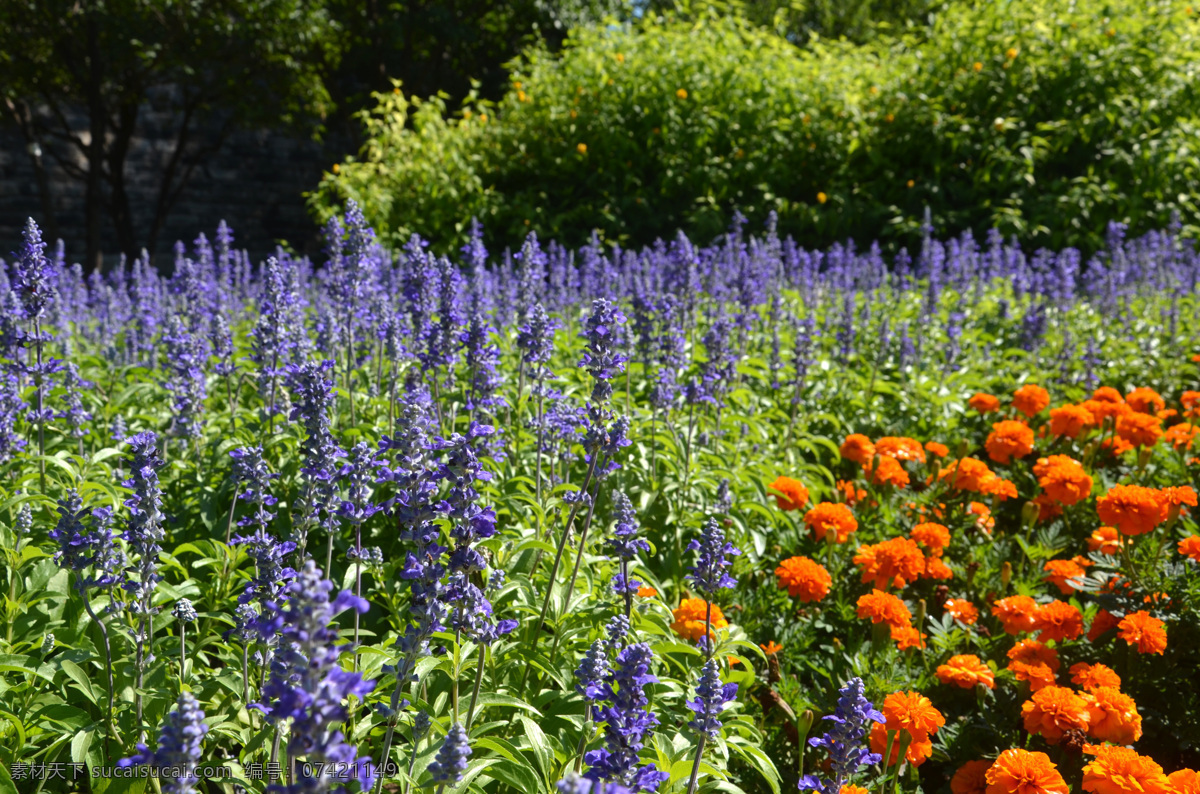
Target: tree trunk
(118,151)
(23,115)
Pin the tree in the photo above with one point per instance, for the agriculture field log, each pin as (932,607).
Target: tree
(78,74)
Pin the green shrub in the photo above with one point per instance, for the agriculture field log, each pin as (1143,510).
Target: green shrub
(1042,119)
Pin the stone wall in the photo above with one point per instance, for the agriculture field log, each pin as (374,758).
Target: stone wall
(254,183)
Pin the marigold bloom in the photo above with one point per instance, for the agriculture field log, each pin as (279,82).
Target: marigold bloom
(1141,430)
(850,493)
(934,537)
(1102,410)
(1070,420)
(1033,662)
(1146,401)
(970,778)
(804,578)
(1107,394)
(1019,771)
(1175,497)
(1031,399)
(689,618)
(1104,622)
(1112,715)
(771,648)
(1181,436)
(1058,621)
(1190,547)
(963,611)
(889,472)
(984,522)
(1190,400)
(1144,631)
(1054,710)
(1132,509)
(893,562)
(935,448)
(1047,508)
(1000,488)
(1116,446)
(858,448)
(1063,479)
(883,607)
(831,517)
(968,474)
(1009,439)
(984,403)
(966,671)
(908,637)
(1016,613)
(900,448)
(935,568)
(1185,781)
(914,714)
(647,592)
(1120,770)
(850,789)
(789,494)
(1059,572)
(1090,676)
(1105,540)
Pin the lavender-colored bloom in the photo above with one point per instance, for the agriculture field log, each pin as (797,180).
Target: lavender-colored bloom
(76,415)
(179,747)
(250,471)
(144,531)
(711,697)
(186,382)
(709,575)
(358,473)
(23,523)
(576,784)
(85,540)
(627,723)
(601,359)
(723,502)
(221,339)
(451,761)
(844,741)
(318,452)
(11,408)
(271,575)
(118,430)
(482,355)
(625,543)
(35,278)
(184,611)
(593,672)
(536,337)
(308,685)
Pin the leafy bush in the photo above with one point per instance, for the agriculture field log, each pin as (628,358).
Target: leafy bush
(1039,118)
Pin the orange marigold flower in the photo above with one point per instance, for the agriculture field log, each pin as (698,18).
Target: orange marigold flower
(1116,446)
(889,472)
(1132,509)
(1105,540)
(771,648)
(1000,488)
(935,568)
(1146,401)
(893,562)
(804,578)
(1174,497)
(858,448)
(789,494)
(934,537)
(1032,661)
(883,607)
(1185,781)
(984,522)
(1120,770)
(968,474)
(984,403)
(647,592)
(934,448)
(1054,710)
(831,517)
(1181,436)
(1107,394)
(1058,621)
(1059,572)
(689,618)
(962,610)
(1090,676)
(1190,547)
(966,671)
(850,493)
(1047,507)
(1063,478)
(911,713)
(1190,400)
(970,778)
(1143,631)
(851,789)
(1016,613)
(1031,399)
(1019,771)
(1070,420)
(900,448)
(1009,439)
(1104,622)
(908,637)
(1112,715)
(1140,430)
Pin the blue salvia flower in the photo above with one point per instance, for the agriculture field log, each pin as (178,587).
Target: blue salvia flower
(359,473)
(85,540)
(312,404)
(307,684)
(576,784)
(451,761)
(23,523)
(118,430)
(75,414)
(186,358)
(711,697)
(593,672)
(625,544)
(250,471)
(723,502)
(617,629)
(35,278)
(271,345)
(11,408)
(482,355)
(271,575)
(627,723)
(600,358)
(709,575)
(221,338)
(179,747)
(184,611)
(144,531)
(844,741)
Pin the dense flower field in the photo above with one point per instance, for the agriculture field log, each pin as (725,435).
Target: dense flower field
(737,518)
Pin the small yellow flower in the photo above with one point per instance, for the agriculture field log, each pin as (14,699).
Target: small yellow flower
(526,221)
(1110,32)
(395,90)
(889,118)
(573,114)
(522,96)
(337,168)
(806,119)
(911,183)
(1011,53)
(517,85)
(681,93)
(978,66)
(822,198)
(483,117)
(874,89)
(620,57)
(581,148)
(610,81)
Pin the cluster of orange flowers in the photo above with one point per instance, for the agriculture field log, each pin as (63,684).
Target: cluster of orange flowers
(1113,770)
(1135,509)
(690,618)
(886,609)
(804,578)
(966,671)
(971,474)
(912,719)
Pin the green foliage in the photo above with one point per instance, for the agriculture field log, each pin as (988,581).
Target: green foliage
(1043,119)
